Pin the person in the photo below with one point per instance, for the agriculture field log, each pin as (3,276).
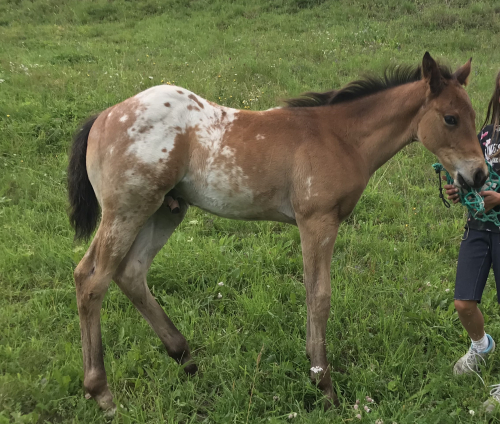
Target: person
(479,251)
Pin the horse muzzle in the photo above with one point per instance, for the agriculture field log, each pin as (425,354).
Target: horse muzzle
(478,179)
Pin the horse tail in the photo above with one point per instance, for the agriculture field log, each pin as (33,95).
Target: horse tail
(83,204)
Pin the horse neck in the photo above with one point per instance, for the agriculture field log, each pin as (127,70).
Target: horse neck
(380,125)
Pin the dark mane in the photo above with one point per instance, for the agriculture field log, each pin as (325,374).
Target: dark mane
(393,76)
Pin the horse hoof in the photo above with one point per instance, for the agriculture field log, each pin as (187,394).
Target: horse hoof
(191,369)
(105,402)
(331,400)
(110,413)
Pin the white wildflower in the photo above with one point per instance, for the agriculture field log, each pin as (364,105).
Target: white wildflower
(316,370)
(367,409)
(356,407)
(276,398)
(150,77)
(358,416)
(471,412)
(219,296)
(2,80)
(428,284)
(220,284)
(379,422)
(447,290)
(190,239)
(292,415)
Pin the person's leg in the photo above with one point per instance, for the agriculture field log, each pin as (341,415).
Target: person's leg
(471,318)
(492,403)
(495,263)
(474,262)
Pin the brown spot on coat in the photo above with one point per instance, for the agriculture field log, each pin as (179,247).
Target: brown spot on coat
(180,91)
(193,97)
(164,150)
(167,104)
(190,107)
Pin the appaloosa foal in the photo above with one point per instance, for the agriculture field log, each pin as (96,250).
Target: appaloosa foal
(306,164)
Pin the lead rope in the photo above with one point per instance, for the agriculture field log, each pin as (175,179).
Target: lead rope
(441,196)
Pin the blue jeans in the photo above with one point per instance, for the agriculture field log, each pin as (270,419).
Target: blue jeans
(479,251)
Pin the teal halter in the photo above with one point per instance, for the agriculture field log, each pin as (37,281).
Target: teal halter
(472,199)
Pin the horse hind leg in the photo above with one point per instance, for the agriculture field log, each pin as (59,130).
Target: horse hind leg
(92,278)
(131,278)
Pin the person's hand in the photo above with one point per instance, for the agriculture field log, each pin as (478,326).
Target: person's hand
(491,199)
(451,191)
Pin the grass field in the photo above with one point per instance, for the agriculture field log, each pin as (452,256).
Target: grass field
(393,333)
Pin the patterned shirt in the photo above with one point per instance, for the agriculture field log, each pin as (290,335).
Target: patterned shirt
(489,144)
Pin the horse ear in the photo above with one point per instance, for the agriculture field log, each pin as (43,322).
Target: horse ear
(431,74)
(462,73)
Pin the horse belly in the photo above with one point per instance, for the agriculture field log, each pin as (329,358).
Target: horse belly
(224,197)
(219,195)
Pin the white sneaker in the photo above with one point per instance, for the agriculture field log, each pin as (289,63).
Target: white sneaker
(490,405)
(469,363)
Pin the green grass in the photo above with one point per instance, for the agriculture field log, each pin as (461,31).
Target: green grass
(393,333)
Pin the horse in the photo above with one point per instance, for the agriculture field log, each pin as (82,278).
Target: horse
(304,164)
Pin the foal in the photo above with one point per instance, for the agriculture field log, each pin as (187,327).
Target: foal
(306,164)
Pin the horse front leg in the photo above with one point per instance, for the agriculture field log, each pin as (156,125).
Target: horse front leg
(318,234)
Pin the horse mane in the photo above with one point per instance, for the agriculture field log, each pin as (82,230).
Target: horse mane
(393,76)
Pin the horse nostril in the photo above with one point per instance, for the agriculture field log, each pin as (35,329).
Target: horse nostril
(479,178)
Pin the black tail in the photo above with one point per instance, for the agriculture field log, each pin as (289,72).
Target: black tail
(83,204)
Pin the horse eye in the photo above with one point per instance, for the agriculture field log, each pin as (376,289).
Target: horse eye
(450,120)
